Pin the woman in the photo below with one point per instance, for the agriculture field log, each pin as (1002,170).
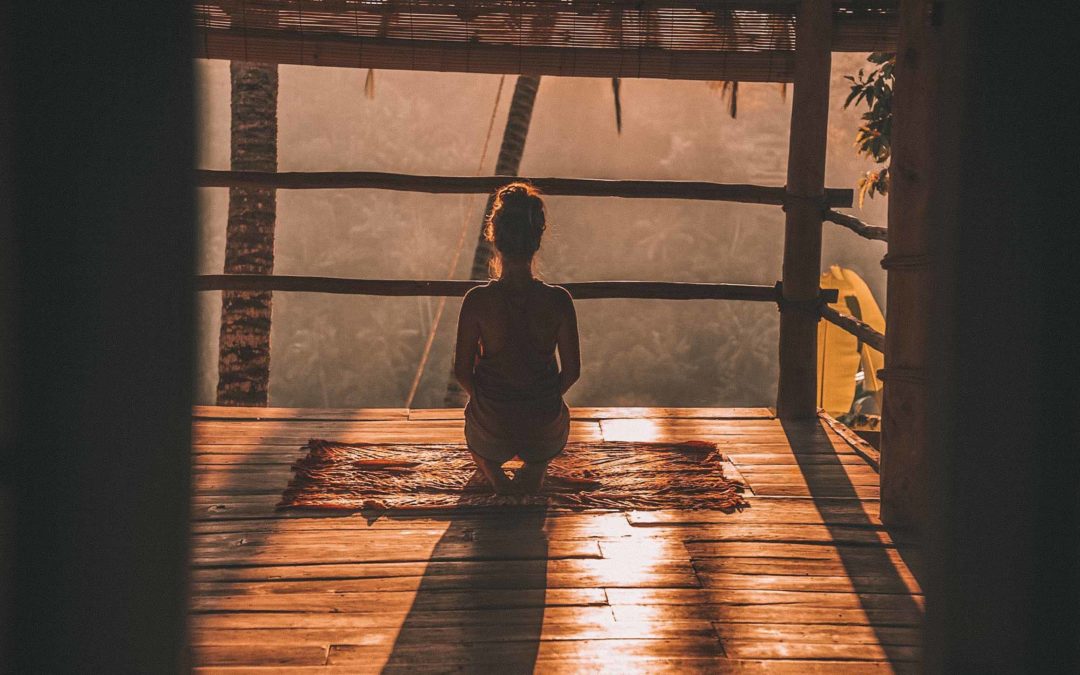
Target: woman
(508,332)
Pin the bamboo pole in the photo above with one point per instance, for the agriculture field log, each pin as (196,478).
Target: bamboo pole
(583,290)
(578,187)
(857,226)
(802,230)
(858,328)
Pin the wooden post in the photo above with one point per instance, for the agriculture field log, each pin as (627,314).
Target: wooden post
(802,229)
(904,441)
(1002,429)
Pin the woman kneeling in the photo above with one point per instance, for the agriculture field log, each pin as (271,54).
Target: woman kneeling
(508,333)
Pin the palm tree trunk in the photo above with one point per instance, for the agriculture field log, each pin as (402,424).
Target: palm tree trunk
(510,152)
(508,164)
(244,342)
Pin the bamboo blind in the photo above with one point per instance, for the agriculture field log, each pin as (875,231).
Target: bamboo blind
(747,40)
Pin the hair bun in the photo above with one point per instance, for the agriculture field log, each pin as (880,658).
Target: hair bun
(517,221)
(514,193)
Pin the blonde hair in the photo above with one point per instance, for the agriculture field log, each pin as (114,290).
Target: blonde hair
(515,225)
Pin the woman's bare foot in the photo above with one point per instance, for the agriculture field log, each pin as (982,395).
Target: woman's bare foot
(496,477)
(530,478)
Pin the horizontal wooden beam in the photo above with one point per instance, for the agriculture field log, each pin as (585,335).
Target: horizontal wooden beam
(373,35)
(857,226)
(343,51)
(578,187)
(859,329)
(584,290)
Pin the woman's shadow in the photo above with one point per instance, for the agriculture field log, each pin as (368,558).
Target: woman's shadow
(480,603)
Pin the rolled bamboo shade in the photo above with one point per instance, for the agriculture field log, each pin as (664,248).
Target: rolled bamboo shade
(746,40)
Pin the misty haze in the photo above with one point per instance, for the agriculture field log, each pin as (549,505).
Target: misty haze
(363,351)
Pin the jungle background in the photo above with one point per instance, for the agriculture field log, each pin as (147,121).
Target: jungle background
(360,351)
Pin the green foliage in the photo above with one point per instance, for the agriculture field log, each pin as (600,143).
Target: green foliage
(873,139)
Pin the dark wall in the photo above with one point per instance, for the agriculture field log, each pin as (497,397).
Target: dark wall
(1003,595)
(99,249)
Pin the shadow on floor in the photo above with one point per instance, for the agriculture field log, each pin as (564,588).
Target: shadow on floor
(869,567)
(480,603)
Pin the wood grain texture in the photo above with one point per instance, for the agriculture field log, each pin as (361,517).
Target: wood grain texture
(796,392)
(578,187)
(580,290)
(856,327)
(857,226)
(806,579)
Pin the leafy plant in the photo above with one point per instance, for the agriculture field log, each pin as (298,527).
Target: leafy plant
(873,139)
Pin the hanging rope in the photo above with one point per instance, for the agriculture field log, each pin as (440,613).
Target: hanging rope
(452,267)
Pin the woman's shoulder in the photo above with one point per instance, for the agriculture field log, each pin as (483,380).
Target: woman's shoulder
(478,296)
(554,291)
(557,294)
(481,291)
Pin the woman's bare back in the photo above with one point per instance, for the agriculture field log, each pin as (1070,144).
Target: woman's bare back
(540,308)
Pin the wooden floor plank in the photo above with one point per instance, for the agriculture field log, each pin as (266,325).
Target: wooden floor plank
(494,580)
(806,579)
(789,649)
(213,412)
(263,653)
(278,432)
(584,568)
(601,413)
(775,511)
(383,601)
(770,614)
(225,554)
(512,656)
(608,629)
(394,616)
(656,666)
(818,633)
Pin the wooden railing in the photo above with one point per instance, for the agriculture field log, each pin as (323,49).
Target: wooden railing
(581,290)
(857,226)
(859,329)
(582,187)
(577,187)
(852,325)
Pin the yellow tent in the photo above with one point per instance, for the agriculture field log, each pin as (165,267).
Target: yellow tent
(839,352)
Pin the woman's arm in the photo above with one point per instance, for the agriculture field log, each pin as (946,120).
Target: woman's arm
(468,343)
(569,347)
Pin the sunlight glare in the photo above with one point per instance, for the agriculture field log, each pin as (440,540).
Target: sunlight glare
(635,430)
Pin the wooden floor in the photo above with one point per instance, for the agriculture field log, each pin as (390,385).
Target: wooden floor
(806,580)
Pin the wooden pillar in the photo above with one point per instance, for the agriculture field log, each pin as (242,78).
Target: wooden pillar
(911,198)
(1003,525)
(802,229)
